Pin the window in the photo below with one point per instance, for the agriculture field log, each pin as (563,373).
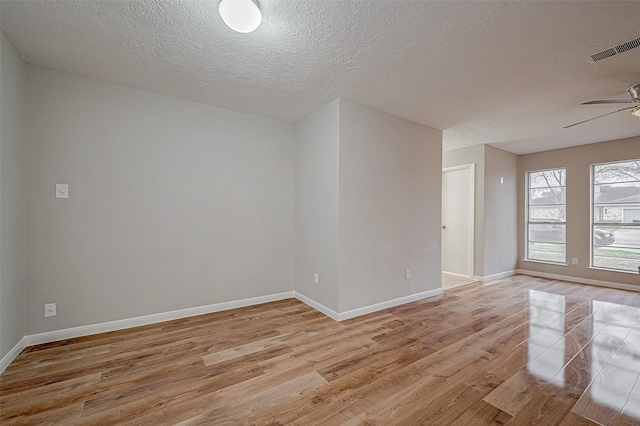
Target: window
(615,221)
(546,216)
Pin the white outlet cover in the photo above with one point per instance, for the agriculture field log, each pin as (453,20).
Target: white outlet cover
(50,310)
(62,190)
(407,274)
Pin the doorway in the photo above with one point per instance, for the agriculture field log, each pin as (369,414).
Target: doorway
(458,188)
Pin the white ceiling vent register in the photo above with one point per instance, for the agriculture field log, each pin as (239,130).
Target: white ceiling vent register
(615,50)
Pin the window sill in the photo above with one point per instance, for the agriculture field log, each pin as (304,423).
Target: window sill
(597,268)
(545,262)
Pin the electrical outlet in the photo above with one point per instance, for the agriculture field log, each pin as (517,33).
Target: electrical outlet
(407,274)
(575,261)
(50,310)
(315,278)
(62,190)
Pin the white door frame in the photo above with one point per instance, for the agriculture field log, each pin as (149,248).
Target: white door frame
(471,215)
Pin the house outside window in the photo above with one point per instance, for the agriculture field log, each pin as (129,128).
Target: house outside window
(546,232)
(616,216)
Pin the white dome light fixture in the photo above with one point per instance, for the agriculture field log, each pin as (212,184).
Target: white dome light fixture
(243,16)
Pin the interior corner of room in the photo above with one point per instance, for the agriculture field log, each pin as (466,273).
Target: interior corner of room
(176,207)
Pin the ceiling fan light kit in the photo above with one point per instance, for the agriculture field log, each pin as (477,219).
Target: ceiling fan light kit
(634,93)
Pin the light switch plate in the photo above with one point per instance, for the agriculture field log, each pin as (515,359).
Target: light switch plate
(62,190)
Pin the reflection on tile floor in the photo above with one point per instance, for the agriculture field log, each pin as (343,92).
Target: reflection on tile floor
(587,358)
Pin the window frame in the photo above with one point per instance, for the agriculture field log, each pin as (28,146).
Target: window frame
(528,222)
(592,224)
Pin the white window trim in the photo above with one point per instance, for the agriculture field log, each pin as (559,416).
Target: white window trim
(592,185)
(546,262)
(622,271)
(526,218)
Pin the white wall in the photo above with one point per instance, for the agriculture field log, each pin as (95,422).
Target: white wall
(173,204)
(13,79)
(317,138)
(390,216)
(495,211)
(473,155)
(500,211)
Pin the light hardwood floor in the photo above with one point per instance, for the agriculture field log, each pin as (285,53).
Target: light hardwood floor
(521,351)
(450,280)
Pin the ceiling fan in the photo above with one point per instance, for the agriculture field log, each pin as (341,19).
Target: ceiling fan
(633,91)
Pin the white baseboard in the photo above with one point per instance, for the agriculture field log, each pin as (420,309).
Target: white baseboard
(85,330)
(497,276)
(609,284)
(388,304)
(341,316)
(13,353)
(317,306)
(69,333)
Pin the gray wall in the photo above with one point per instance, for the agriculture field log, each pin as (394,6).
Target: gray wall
(390,215)
(13,80)
(368,191)
(173,204)
(500,211)
(317,139)
(577,161)
(473,155)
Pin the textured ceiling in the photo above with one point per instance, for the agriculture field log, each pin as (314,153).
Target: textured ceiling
(506,73)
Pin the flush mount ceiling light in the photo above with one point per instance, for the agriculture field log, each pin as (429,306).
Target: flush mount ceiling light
(243,16)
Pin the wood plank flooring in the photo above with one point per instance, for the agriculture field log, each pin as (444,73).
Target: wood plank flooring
(450,280)
(521,351)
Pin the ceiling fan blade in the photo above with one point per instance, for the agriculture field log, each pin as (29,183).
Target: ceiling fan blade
(600,116)
(610,101)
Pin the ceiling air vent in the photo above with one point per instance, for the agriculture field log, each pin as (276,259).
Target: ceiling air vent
(616,50)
